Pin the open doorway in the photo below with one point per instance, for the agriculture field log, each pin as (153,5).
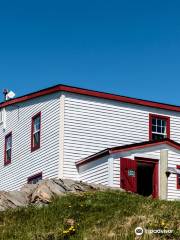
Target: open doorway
(145,178)
(139,176)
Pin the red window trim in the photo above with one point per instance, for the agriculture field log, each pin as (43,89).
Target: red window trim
(34,148)
(5,160)
(29,179)
(178,185)
(160,117)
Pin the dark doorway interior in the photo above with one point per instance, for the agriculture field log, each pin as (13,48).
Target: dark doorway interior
(145,178)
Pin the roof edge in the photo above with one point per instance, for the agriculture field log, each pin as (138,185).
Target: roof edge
(29,96)
(91,93)
(129,147)
(93,157)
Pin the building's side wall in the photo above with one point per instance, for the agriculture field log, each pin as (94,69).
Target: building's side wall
(93,124)
(95,171)
(24,162)
(173,160)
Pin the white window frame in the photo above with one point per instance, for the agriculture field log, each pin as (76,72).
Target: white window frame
(159,133)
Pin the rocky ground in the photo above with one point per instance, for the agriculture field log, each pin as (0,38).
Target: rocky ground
(43,192)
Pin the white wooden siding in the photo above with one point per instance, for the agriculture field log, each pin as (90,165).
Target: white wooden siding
(24,162)
(75,127)
(93,124)
(173,160)
(116,175)
(95,171)
(148,153)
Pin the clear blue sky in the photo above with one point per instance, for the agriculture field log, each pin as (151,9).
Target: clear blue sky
(126,47)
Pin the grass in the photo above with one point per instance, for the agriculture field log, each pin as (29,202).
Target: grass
(92,216)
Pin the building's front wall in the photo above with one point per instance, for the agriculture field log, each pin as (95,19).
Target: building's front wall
(24,162)
(98,171)
(93,124)
(153,153)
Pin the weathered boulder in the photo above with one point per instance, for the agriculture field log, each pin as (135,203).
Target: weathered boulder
(43,192)
(13,199)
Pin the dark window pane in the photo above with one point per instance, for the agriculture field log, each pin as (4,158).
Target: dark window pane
(162,137)
(36,124)
(159,129)
(8,155)
(164,123)
(157,136)
(8,142)
(163,129)
(159,122)
(154,136)
(36,138)
(154,128)
(154,121)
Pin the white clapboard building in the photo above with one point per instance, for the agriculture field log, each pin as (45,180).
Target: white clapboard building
(96,137)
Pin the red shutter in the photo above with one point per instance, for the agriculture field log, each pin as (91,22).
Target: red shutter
(128,174)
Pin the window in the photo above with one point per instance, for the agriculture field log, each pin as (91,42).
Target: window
(178,177)
(159,127)
(8,149)
(35,178)
(36,132)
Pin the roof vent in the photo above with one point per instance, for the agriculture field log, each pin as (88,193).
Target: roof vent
(8,95)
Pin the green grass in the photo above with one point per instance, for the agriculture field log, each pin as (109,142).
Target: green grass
(97,215)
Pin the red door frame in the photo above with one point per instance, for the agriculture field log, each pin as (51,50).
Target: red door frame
(155,193)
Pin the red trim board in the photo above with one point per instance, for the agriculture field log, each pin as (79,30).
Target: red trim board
(129,147)
(91,93)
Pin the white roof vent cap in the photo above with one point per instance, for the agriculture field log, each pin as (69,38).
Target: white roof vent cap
(10,95)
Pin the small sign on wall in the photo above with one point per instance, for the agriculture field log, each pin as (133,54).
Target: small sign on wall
(131,172)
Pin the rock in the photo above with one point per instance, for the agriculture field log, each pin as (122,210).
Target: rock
(28,189)
(43,192)
(12,199)
(70,222)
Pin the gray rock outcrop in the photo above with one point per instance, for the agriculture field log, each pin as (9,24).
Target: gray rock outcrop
(43,192)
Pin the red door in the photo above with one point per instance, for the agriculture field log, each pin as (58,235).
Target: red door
(128,174)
